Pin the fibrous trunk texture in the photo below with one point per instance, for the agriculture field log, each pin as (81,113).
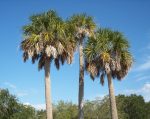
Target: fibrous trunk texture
(48,90)
(113,107)
(81,83)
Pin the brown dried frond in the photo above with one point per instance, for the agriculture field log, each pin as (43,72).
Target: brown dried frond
(92,77)
(57,63)
(25,56)
(92,69)
(102,79)
(41,63)
(113,65)
(35,57)
(60,48)
(63,57)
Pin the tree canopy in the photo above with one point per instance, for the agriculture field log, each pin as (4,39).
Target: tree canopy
(129,107)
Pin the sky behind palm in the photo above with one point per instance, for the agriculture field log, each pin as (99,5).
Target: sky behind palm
(23,79)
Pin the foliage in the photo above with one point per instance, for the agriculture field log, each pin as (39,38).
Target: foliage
(65,110)
(81,26)
(129,107)
(10,108)
(108,51)
(46,38)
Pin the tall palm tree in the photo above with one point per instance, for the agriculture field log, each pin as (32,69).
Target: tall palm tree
(108,55)
(45,39)
(83,27)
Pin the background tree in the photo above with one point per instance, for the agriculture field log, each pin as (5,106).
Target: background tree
(8,104)
(24,112)
(83,26)
(45,40)
(99,108)
(66,110)
(134,106)
(147,108)
(41,114)
(10,108)
(108,54)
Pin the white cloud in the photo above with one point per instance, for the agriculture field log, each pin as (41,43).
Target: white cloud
(26,103)
(10,85)
(36,106)
(21,94)
(146,88)
(144,91)
(40,106)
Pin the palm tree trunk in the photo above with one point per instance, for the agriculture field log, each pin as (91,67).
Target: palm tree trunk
(81,82)
(113,107)
(48,90)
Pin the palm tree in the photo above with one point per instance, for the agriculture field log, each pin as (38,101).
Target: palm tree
(108,55)
(45,39)
(83,27)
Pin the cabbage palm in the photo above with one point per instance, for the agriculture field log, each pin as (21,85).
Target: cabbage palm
(82,27)
(108,55)
(45,39)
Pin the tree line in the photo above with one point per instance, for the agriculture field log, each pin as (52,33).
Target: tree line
(129,107)
(102,52)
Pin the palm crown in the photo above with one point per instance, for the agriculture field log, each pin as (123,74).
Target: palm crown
(82,25)
(108,51)
(46,38)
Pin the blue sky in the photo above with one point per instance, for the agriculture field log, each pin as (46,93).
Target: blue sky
(23,79)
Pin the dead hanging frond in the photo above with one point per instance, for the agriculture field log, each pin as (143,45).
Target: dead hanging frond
(92,77)
(37,48)
(51,51)
(69,60)
(118,66)
(102,78)
(113,65)
(30,53)
(92,69)
(70,55)
(60,48)
(25,56)
(41,63)
(57,63)
(35,57)
(63,57)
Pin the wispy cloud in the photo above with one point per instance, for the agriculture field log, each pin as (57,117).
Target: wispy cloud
(145,65)
(144,91)
(148,47)
(141,78)
(21,94)
(14,90)
(10,85)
